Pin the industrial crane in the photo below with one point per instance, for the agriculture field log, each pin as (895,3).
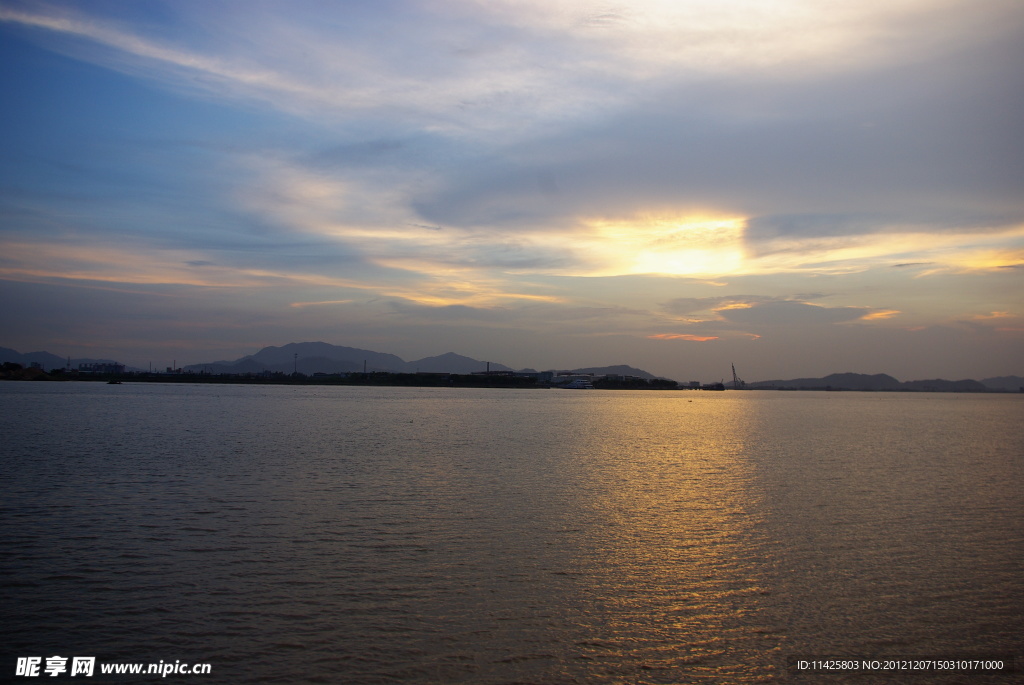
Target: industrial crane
(737,382)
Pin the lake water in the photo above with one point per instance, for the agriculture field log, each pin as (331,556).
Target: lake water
(405,535)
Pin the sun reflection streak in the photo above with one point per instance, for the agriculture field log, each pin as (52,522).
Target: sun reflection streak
(681,550)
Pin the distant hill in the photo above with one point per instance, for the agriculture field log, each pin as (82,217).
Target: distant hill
(321,357)
(46,360)
(453,363)
(879,381)
(619,370)
(1006,383)
(846,381)
(941,385)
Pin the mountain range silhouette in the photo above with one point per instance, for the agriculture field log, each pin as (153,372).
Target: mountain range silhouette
(321,357)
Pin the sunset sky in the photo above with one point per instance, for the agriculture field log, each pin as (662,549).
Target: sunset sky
(800,187)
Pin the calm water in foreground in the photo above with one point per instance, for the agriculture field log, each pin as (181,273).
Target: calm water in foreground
(361,535)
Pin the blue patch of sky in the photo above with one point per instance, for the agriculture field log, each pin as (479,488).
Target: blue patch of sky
(106,149)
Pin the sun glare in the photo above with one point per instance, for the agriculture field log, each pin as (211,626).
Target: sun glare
(673,246)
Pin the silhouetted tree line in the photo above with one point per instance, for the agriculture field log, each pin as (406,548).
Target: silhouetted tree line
(12,371)
(15,371)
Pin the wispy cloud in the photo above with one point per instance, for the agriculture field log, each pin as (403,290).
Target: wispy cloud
(301,305)
(465,63)
(789,313)
(682,336)
(881,314)
(519,164)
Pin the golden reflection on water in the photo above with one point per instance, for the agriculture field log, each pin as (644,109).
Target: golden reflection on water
(676,548)
(442,536)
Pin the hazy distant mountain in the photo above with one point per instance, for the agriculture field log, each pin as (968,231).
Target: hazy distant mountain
(285,355)
(941,385)
(321,357)
(619,370)
(880,381)
(847,381)
(45,359)
(307,357)
(452,363)
(1007,383)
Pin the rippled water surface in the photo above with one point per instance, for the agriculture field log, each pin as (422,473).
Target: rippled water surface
(361,535)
